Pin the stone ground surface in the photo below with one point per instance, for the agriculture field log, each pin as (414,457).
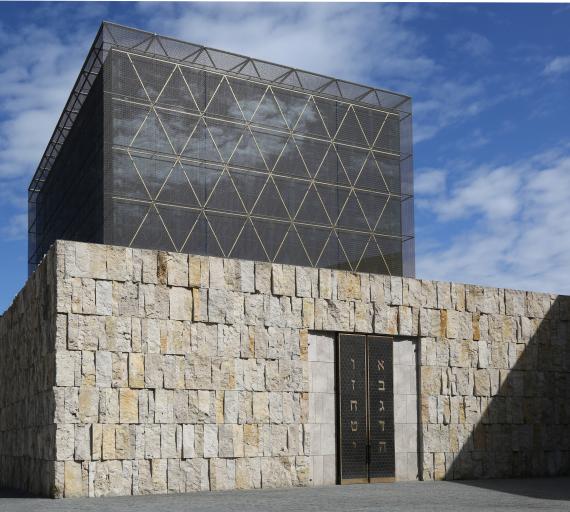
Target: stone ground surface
(491,495)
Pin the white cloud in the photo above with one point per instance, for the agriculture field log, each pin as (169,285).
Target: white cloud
(342,40)
(557,66)
(513,231)
(476,45)
(429,182)
(16,228)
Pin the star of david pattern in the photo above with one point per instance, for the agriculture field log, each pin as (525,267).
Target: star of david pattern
(208,163)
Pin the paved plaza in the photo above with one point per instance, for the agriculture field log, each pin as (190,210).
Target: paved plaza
(491,495)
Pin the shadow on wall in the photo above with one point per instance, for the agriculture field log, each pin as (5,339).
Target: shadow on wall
(525,428)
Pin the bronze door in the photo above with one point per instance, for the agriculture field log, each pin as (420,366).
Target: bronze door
(365,409)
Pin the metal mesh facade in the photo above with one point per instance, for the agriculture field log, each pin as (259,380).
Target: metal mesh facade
(208,152)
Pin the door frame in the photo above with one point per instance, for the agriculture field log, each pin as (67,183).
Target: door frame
(338,412)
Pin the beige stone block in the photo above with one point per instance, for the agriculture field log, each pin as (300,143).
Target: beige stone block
(261,407)
(188,435)
(180,303)
(136,370)
(283,280)
(152,441)
(96,441)
(73,480)
(325,283)
(277,471)
(210,440)
(200,307)
(222,474)
(108,451)
(164,406)
(124,442)
(195,272)
(348,286)
(263,278)
(177,269)
(103,298)
(385,319)
(248,473)
(129,406)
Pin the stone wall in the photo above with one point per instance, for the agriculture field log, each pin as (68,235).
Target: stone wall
(27,377)
(320,427)
(176,373)
(406,409)
(495,383)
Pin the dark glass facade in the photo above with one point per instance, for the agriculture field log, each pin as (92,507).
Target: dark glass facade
(207,152)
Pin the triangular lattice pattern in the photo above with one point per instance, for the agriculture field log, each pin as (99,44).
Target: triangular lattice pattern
(224,165)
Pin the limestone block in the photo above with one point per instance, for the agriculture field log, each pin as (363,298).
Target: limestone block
(263,278)
(363,316)
(119,369)
(118,334)
(103,298)
(217,305)
(67,365)
(125,442)
(73,480)
(306,281)
(210,440)
(86,260)
(129,406)
(338,316)
(385,319)
(104,369)
(174,371)
(96,441)
(153,371)
(430,379)
(164,406)
(136,370)
(277,471)
(152,441)
(235,308)
(64,441)
(177,269)
(85,332)
(188,450)
(248,473)
(348,286)
(200,304)
(88,405)
(482,299)
(405,321)
(482,383)
(195,272)
(231,408)
(396,291)
(308,313)
(108,405)
(180,304)
(430,322)
(154,300)
(253,309)
(251,440)
(376,288)
(169,447)
(126,299)
(260,406)
(283,280)
(120,263)
(247,276)
(150,335)
(222,474)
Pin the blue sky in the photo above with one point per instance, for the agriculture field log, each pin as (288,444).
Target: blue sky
(491,90)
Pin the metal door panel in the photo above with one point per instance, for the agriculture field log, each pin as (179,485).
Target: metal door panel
(381,408)
(353,432)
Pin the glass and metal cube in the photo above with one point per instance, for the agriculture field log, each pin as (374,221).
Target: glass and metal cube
(168,145)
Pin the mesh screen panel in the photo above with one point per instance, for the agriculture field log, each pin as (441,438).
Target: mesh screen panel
(209,152)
